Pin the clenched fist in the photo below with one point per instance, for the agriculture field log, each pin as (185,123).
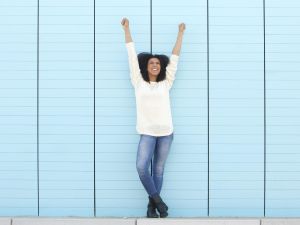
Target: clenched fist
(181,27)
(125,23)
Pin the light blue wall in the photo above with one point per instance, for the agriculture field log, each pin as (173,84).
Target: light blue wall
(66,83)
(236,90)
(68,140)
(18,108)
(283,101)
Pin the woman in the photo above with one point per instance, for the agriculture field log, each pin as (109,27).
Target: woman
(152,77)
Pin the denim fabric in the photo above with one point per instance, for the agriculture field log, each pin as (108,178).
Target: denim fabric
(157,148)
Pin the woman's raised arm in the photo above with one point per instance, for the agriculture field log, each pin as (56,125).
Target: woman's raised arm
(135,72)
(125,24)
(177,47)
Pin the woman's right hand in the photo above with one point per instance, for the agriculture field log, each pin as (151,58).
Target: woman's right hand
(125,23)
(181,27)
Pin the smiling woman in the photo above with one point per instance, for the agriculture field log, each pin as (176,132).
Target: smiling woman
(152,76)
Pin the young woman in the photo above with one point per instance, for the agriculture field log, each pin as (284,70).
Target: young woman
(152,77)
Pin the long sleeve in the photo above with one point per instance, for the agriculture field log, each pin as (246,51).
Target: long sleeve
(135,73)
(171,70)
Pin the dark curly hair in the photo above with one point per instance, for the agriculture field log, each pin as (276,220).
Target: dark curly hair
(143,59)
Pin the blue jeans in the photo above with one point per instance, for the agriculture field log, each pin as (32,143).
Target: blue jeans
(158,148)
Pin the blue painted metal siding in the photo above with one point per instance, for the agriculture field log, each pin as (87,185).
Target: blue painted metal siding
(283,123)
(236,108)
(66,80)
(18,108)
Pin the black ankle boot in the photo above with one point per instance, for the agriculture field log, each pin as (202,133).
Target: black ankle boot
(151,211)
(161,206)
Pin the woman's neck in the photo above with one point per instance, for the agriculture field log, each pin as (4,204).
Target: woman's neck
(152,78)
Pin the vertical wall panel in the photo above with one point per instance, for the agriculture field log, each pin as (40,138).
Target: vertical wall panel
(119,191)
(283,121)
(236,108)
(18,106)
(66,108)
(185,180)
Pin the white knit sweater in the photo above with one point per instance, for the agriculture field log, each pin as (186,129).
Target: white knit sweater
(153,108)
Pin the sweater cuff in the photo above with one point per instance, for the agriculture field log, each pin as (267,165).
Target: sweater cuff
(174,57)
(129,44)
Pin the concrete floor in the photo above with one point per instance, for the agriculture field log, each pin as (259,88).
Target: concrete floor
(145,221)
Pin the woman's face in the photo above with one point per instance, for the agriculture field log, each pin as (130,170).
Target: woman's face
(153,67)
